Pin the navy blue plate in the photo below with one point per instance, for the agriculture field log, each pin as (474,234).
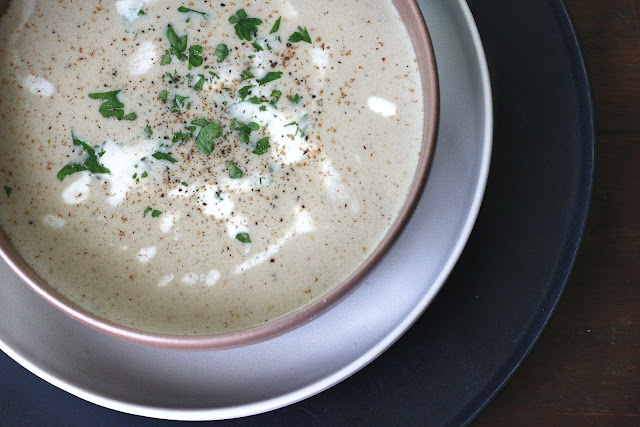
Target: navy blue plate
(509,278)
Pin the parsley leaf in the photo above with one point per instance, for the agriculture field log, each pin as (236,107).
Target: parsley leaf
(195,56)
(243,237)
(276,26)
(271,76)
(222,51)
(246,75)
(245,27)
(275,97)
(199,122)
(8,190)
(262,146)
(111,105)
(199,84)
(204,140)
(302,35)
(166,59)
(234,171)
(257,47)
(256,101)
(181,136)
(294,99)
(164,95)
(178,44)
(154,212)
(148,131)
(244,92)
(244,130)
(91,164)
(187,10)
(178,103)
(163,156)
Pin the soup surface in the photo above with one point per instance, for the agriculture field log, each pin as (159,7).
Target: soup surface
(203,167)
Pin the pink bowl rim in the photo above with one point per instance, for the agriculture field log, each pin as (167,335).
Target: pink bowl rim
(429,76)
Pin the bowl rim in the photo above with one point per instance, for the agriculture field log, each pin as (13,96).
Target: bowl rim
(419,35)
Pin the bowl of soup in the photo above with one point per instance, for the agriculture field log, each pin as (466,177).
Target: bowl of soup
(204,175)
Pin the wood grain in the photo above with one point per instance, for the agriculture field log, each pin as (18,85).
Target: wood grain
(585,370)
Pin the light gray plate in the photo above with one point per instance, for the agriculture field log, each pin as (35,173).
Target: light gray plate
(249,380)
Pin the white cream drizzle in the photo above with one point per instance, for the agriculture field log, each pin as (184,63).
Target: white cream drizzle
(288,142)
(121,160)
(211,204)
(143,59)
(382,106)
(39,86)
(303,224)
(146,254)
(165,280)
(320,59)
(129,8)
(212,277)
(334,186)
(54,221)
(191,279)
(78,191)
(168,222)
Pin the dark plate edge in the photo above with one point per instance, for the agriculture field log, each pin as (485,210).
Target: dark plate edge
(587,136)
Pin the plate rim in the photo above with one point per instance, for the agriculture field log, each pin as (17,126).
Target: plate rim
(578,224)
(356,365)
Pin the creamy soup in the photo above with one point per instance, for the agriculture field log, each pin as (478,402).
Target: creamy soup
(203,167)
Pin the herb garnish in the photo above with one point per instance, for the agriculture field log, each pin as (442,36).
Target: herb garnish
(222,51)
(154,212)
(256,100)
(199,84)
(164,95)
(302,35)
(91,164)
(112,107)
(246,75)
(294,99)
(178,44)
(195,56)
(199,122)
(245,27)
(244,91)
(187,10)
(275,97)
(234,171)
(8,190)
(276,26)
(271,76)
(163,156)
(204,140)
(244,130)
(178,103)
(148,131)
(243,237)
(262,146)
(257,47)
(181,136)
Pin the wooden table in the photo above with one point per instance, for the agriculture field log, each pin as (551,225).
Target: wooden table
(586,367)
